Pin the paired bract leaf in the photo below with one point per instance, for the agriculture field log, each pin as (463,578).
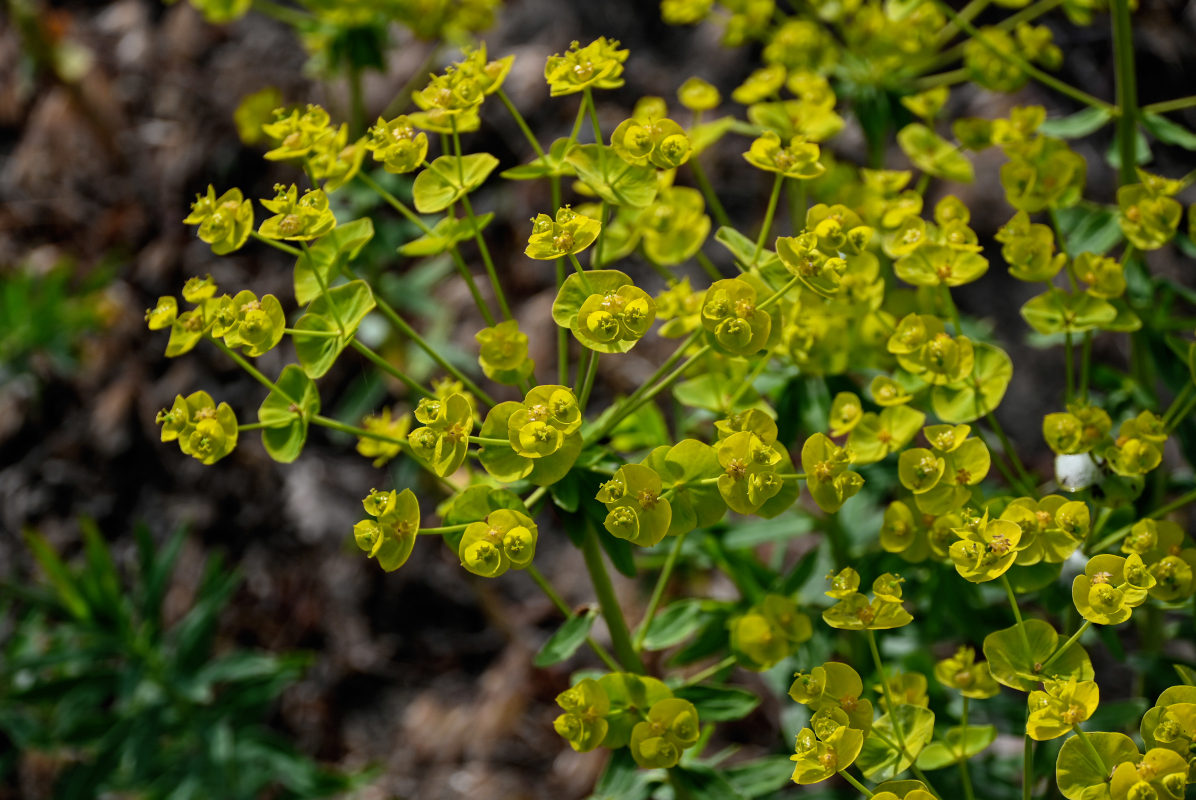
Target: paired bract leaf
(447,179)
(286,415)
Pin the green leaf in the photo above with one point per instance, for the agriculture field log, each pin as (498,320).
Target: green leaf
(447,179)
(992,370)
(1089,229)
(1142,154)
(743,248)
(60,577)
(286,429)
(1057,311)
(553,164)
(564,643)
(445,233)
(577,288)
(1168,132)
(1013,665)
(760,778)
(700,782)
(881,759)
(958,744)
(612,178)
(622,779)
(720,703)
(338,311)
(1080,776)
(1077,125)
(672,625)
(341,244)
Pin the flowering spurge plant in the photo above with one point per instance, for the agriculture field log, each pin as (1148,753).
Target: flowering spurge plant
(827,384)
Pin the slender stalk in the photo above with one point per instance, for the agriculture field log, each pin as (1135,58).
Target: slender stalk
(1085,366)
(1119,534)
(1028,13)
(1178,403)
(1027,768)
(1017,612)
(608,602)
(1127,89)
(1068,366)
(1025,66)
(587,382)
(420,75)
(458,261)
(1010,452)
(390,369)
(1167,106)
(662,582)
(712,202)
(486,441)
(768,215)
(1182,414)
(253,426)
(708,266)
(352,430)
(593,115)
(442,530)
(949,78)
(557,601)
(966,14)
(277,245)
(964,776)
(521,122)
(413,335)
(713,669)
(1092,751)
(1075,637)
(632,400)
(495,285)
(252,370)
(888,693)
(859,787)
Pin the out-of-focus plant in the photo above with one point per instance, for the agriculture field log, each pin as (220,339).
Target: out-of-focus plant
(96,680)
(45,314)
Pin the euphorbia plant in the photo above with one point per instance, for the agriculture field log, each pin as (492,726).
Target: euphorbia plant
(852,296)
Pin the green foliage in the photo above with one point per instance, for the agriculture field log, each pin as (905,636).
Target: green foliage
(126,701)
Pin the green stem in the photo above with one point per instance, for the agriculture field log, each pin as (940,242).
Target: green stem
(1119,534)
(949,78)
(253,426)
(768,215)
(414,336)
(390,369)
(713,669)
(593,115)
(1179,402)
(291,16)
(1027,768)
(1085,365)
(712,202)
(587,382)
(252,370)
(277,245)
(557,601)
(313,333)
(708,266)
(966,14)
(486,441)
(964,776)
(458,261)
(1024,476)
(859,787)
(662,582)
(495,285)
(1017,612)
(1182,414)
(1179,104)
(352,430)
(608,602)
(521,122)
(1092,751)
(952,309)
(888,693)
(1127,89)
(443,530)
(1026,67)
(1068,345)
(1075,637)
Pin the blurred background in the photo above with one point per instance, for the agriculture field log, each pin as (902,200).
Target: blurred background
(113,117)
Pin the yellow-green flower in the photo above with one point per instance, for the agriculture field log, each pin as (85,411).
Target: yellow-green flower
(297,218)
(224,222)
(1059,706)
(798,160)
(598,65)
